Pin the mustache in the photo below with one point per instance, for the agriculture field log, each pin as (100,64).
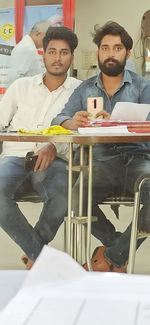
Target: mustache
(110,60)
(57,64)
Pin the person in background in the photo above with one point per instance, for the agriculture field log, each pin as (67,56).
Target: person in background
(56,20)
(25,60)
(130,65)
(116,166)
(31,103)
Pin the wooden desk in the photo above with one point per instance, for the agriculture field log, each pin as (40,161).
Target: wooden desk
(78,138)
(81,140)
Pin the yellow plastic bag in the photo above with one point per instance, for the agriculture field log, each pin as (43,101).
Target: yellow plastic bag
(51,130)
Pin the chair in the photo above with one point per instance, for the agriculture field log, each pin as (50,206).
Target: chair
(135,232)
(115,202)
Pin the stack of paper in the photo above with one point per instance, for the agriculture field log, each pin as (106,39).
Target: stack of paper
(118,129)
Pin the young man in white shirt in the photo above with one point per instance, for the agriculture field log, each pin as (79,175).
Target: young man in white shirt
(31,103)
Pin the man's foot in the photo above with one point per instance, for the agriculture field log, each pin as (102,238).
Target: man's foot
(99,262)
(28,263)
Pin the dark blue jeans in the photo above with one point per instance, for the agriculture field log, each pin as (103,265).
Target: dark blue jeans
(114,173)
(51,185)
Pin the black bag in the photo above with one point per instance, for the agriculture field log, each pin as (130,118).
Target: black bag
(30,161)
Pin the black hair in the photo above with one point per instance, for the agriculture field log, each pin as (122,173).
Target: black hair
(60,33)
(112,28)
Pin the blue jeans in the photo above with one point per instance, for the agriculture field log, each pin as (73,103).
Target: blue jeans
(115,174)
(50,184)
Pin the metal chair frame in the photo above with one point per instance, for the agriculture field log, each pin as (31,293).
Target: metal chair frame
(135,232)
(134,202)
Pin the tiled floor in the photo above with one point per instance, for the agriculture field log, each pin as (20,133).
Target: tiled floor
(10,253)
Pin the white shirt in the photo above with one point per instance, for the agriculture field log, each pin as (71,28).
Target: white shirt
(29,104)
(24,60)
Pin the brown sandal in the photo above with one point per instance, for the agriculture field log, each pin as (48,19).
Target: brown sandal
(27,261)
(99,262)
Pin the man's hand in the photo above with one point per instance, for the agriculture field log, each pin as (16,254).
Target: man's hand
(80,119)
(103,114)
(46,155)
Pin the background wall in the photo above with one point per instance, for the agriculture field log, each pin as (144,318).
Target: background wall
(90,12)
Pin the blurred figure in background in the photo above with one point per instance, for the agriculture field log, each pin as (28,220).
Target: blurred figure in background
(25,60)
(56,20)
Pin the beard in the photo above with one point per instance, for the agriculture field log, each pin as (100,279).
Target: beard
(114,69)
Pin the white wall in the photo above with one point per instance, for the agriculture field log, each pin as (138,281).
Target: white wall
(90,12)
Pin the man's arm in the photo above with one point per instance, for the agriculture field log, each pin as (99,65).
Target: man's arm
(74,114)
(75,104)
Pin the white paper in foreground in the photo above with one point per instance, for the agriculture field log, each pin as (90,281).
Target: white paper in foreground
(126,111)
(59,291)
(53,267)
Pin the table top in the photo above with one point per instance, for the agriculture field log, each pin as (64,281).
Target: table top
(77,138)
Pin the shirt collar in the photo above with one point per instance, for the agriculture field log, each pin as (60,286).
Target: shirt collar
(39,79)
(66,84)
(126,79)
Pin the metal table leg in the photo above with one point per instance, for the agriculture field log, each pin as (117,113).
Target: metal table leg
(133,239)
(74,223)
(89,209)
(79,226)
(70,212)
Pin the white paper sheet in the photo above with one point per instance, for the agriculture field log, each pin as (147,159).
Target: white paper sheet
(53,267)
(126,111)
(59,291)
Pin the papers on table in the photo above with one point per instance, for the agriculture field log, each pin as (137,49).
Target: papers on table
(123,120)
(126,111)
(59,291)
(120,129)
